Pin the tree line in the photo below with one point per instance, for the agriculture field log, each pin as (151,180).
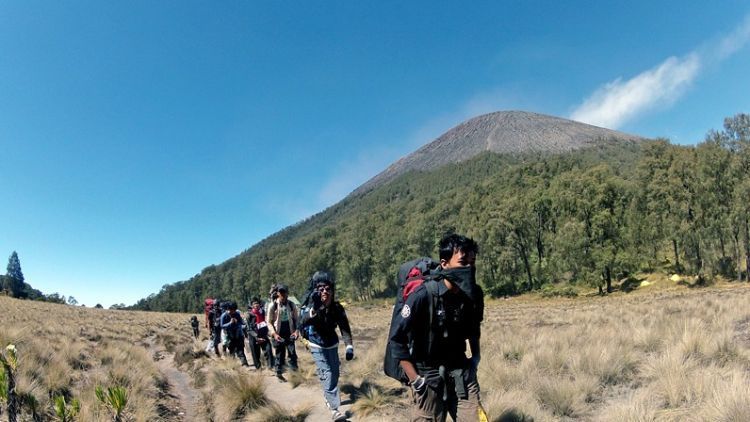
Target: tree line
(591,217)
(13,284)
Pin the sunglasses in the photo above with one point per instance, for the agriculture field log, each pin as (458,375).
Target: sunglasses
(325,288)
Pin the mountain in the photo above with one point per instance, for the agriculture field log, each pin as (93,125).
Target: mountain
(502,132)
(468,179)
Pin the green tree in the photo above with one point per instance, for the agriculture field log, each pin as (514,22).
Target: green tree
(14,277)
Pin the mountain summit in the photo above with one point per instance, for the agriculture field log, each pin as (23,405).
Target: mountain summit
(503,132)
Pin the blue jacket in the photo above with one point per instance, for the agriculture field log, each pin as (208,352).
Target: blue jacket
(319,327)
(234,329)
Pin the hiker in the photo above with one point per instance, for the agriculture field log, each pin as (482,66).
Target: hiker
(224,339)
(195,324)
(234,326)
(282,328)
(431,348)
(214,316)
(273,294)
(319,320)
(257,330)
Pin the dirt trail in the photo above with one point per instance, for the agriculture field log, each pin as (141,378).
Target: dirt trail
(184,396)
(179,386)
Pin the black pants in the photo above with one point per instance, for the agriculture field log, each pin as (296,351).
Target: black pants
(282,347)
(216,339)
(258,345)
(195,332)
(237,349)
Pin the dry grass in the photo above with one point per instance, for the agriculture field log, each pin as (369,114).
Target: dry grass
(236,392)
(665,354)
(68,351)
(276,413)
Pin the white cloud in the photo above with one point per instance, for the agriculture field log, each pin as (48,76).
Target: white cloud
(620,101)
(617,101)
(734,41)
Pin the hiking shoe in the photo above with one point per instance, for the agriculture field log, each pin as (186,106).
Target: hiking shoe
(337,416)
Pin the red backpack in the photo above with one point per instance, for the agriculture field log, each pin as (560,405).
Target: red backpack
(411,275)
(207,305)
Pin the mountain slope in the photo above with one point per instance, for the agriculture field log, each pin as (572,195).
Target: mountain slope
(466,179)
(503,132)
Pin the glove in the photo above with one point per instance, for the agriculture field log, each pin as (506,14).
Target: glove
(418,385)
(317,301)
(349,352)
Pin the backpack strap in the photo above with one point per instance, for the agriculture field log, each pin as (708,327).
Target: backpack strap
(432,288)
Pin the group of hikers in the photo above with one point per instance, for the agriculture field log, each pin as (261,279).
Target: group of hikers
(438,311)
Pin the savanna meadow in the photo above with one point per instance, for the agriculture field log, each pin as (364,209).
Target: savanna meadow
(453,211)
(662,350)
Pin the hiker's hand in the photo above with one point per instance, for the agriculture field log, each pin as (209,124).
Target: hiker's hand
(294,335)
(418,384)
(317,301)
(349,352)
(277,337)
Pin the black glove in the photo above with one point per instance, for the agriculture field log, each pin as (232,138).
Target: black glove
(349,352)
(419,385)
(317,301)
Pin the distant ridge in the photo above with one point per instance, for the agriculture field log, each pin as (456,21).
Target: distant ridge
(503,132)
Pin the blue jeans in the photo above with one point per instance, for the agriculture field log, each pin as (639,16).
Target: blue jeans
(327,361)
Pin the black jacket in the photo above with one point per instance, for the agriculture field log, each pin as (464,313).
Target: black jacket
(453,322)
(320,327)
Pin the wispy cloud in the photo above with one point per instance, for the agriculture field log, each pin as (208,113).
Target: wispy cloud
(619,101)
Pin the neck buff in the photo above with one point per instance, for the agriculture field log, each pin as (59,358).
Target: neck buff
(463,277)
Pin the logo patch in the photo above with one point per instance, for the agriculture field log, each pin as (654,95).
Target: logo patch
(405,311)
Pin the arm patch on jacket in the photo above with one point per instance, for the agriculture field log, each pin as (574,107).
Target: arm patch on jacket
(405,311)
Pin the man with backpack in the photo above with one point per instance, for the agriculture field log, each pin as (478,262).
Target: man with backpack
(233,324)
(214,320)
(257,330)
(195,324)
(428,336)
(283,326)
(319,319)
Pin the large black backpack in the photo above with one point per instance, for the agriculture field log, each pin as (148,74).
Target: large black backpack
(411,275)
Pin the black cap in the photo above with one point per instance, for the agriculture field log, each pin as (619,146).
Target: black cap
(282,288)
(322,277)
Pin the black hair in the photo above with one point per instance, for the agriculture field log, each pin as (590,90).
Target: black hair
(254,300)
(451,243)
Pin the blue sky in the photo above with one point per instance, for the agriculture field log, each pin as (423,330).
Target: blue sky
(143,141)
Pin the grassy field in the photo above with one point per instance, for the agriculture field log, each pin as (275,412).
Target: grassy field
(668,353)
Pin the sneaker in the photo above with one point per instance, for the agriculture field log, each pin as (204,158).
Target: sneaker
(337,416)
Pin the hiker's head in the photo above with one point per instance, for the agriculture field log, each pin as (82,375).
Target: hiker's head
(255,303)
(457,251)
(324,284)
(273,293)
(232,306)
(283,292)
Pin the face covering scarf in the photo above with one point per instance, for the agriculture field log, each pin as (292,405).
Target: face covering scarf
(463,277)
